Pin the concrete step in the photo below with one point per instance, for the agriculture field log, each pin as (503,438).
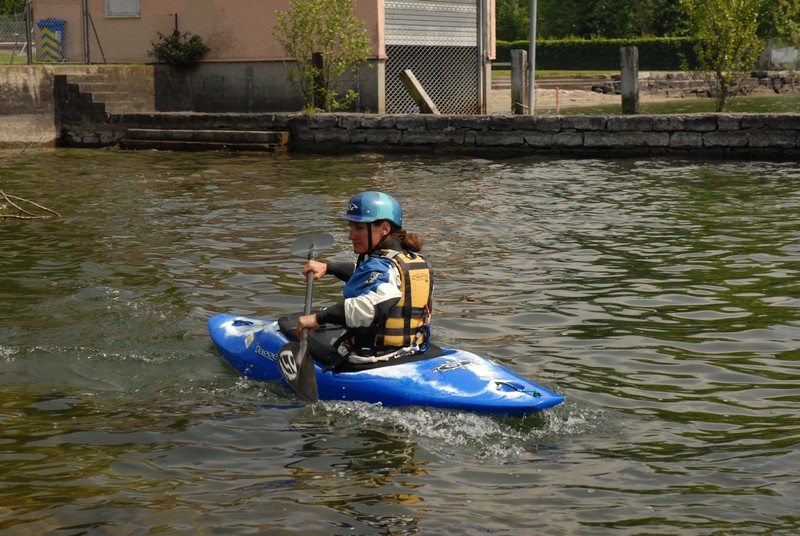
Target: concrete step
(134,95)
(188,146)
(205,140)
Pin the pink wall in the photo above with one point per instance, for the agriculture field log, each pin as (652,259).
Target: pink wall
(235,30)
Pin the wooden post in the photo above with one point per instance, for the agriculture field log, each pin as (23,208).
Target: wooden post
(519,81)
(318,61)
(629,59)
(418,93)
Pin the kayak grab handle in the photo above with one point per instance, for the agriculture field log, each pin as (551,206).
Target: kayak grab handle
(243,322)
(510,386)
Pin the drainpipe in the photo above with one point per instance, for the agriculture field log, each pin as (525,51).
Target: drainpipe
(86,46)
(481,23)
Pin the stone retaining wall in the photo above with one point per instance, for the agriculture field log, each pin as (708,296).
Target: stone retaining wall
(714,135)
(745,136)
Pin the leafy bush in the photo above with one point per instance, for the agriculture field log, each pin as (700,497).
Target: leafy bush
(180,50)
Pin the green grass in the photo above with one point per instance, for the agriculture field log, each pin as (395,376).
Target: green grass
(19,59)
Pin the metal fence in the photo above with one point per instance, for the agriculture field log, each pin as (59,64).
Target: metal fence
(14,38)
(439,41)
(448,74)
(46,36)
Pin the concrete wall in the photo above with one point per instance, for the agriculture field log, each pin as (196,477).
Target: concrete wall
(27,93)
(26,107)
(254,87)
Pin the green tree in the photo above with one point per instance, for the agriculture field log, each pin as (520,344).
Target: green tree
(513,19)
(610,18)
(325,30)
(781,18)
(10,7)
(729,44)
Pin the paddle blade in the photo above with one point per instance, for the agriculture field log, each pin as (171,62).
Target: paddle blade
(298,371)
(311,245)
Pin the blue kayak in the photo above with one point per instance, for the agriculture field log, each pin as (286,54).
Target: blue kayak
(455,379)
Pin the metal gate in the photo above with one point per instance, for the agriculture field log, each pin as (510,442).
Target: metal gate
(440,42)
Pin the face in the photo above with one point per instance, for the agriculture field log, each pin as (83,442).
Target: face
(359,235)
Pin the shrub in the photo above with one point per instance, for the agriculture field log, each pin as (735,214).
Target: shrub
(655,54)
(180,50)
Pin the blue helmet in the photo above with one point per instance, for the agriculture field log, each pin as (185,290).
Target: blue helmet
(373,206)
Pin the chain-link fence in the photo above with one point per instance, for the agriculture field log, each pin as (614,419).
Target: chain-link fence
(448,74)
(14,38)
(53,32)
(780,54)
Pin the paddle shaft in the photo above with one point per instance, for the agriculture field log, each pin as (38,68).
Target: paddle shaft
(312,255)
(295,367)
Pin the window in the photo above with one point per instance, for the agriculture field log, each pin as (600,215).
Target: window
(119,9)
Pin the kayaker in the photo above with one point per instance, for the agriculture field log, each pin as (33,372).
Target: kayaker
(387,296)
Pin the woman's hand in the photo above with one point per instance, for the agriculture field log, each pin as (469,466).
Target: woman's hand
(317,268)
(306,322)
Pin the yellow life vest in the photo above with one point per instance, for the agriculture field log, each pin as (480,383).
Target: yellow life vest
(406,323)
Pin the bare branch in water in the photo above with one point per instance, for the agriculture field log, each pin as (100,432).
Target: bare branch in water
(23,214)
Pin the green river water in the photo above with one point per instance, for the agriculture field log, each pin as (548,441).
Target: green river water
(660,296)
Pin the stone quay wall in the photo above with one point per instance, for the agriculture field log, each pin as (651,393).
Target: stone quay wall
(738,136)
(714,135)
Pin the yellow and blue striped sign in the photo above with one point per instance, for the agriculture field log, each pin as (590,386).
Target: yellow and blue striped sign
(51,40)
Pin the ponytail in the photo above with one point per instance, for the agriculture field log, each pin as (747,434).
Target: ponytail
(410,241)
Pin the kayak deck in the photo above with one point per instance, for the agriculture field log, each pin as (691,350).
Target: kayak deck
(456,380)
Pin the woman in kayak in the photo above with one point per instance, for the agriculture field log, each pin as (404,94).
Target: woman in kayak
(387,296)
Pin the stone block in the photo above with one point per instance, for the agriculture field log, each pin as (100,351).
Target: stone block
(668,123)
(422,137)
(686,140)
(325,135)
(351,122)
(626,140)
(383,136)
(782,121)
(455,137)
(583,122)
(369,121)
(568,139)
(700,123)
(492,138)
(729,122)
(725,139)
(323,121)
(749,121)
(768,138)
(437,122)
(410,122)
(470,122)
(548,124)
(626,123)
(541,139)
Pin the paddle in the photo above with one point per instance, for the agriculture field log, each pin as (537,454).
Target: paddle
(293,362)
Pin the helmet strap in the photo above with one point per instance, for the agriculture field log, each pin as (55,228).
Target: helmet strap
(369,238)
